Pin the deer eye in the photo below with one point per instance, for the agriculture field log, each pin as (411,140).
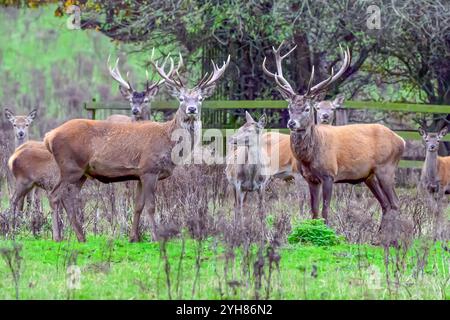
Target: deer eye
(307,109)
(14,125)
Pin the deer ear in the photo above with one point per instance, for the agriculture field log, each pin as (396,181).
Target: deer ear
(126,93)
(208,91)
(32,115)
(262,121)
(9,115)
(422,132)
(339,100)
(248,117)
(443,132)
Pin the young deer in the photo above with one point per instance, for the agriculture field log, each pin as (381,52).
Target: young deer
(113,151)
(139,100)
(33,166)
(352,154)
(246,168)
(435,178)
(21,125)
(325,110)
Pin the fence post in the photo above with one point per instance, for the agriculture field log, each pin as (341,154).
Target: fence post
(341,116)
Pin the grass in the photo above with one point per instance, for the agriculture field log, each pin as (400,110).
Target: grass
(116,269)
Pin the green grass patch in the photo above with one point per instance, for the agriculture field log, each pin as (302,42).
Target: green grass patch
(116,269)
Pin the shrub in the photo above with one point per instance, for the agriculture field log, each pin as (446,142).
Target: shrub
(313,231)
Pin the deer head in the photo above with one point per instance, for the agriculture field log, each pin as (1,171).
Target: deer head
(430,177)
(249,134)
(191,98)
(139,100)
(432,139)
(325,109)
(301,111)
(20,124)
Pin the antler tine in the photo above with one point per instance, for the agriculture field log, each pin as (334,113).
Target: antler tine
(217,73)
(168,78)
(115,73)
(333,77)
(278,76)
(311,78)
(285,87)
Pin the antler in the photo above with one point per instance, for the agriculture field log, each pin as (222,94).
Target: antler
(278,76)
(115,73)
(321,86)
(212,79)
(169,77)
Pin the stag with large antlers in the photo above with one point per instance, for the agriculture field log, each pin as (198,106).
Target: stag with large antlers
(113,151)
(139,100)
(352,154)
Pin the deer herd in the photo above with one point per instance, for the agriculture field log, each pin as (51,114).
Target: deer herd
(123,148)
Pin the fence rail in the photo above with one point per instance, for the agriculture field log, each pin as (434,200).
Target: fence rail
(233,106)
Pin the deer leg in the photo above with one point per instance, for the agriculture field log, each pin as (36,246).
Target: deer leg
(374,186)
(138,207)
(149,185)
(236,203)
(314,192)
(56,225)
(386,178)
(18,198)
(261,198)
(327,191)
(70,203)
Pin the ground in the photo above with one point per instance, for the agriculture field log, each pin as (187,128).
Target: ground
(117,269)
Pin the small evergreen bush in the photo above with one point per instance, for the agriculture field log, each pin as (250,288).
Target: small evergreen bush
(314,231)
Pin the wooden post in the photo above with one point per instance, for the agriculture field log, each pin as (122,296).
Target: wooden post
(341,116)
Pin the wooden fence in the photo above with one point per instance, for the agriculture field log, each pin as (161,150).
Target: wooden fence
(223,114)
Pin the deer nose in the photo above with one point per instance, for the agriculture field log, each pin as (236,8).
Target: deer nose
(291,124)
(325,116)
(192,109)
(432,147)
(135,111)
(21,134)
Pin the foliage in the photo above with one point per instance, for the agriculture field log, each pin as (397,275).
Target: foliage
(314,231)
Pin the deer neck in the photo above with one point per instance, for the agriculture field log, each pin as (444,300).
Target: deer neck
(430,169)
(192,126)
(304,143)
(18,142)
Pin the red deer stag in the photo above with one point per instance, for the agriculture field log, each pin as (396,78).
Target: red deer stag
(283,164)
(139,100)
(113,151)
(352,154)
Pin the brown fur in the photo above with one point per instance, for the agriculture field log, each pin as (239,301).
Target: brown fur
(353,153)
(119,118)
(111,152)
(279,144)
(444,173)
(33,166)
